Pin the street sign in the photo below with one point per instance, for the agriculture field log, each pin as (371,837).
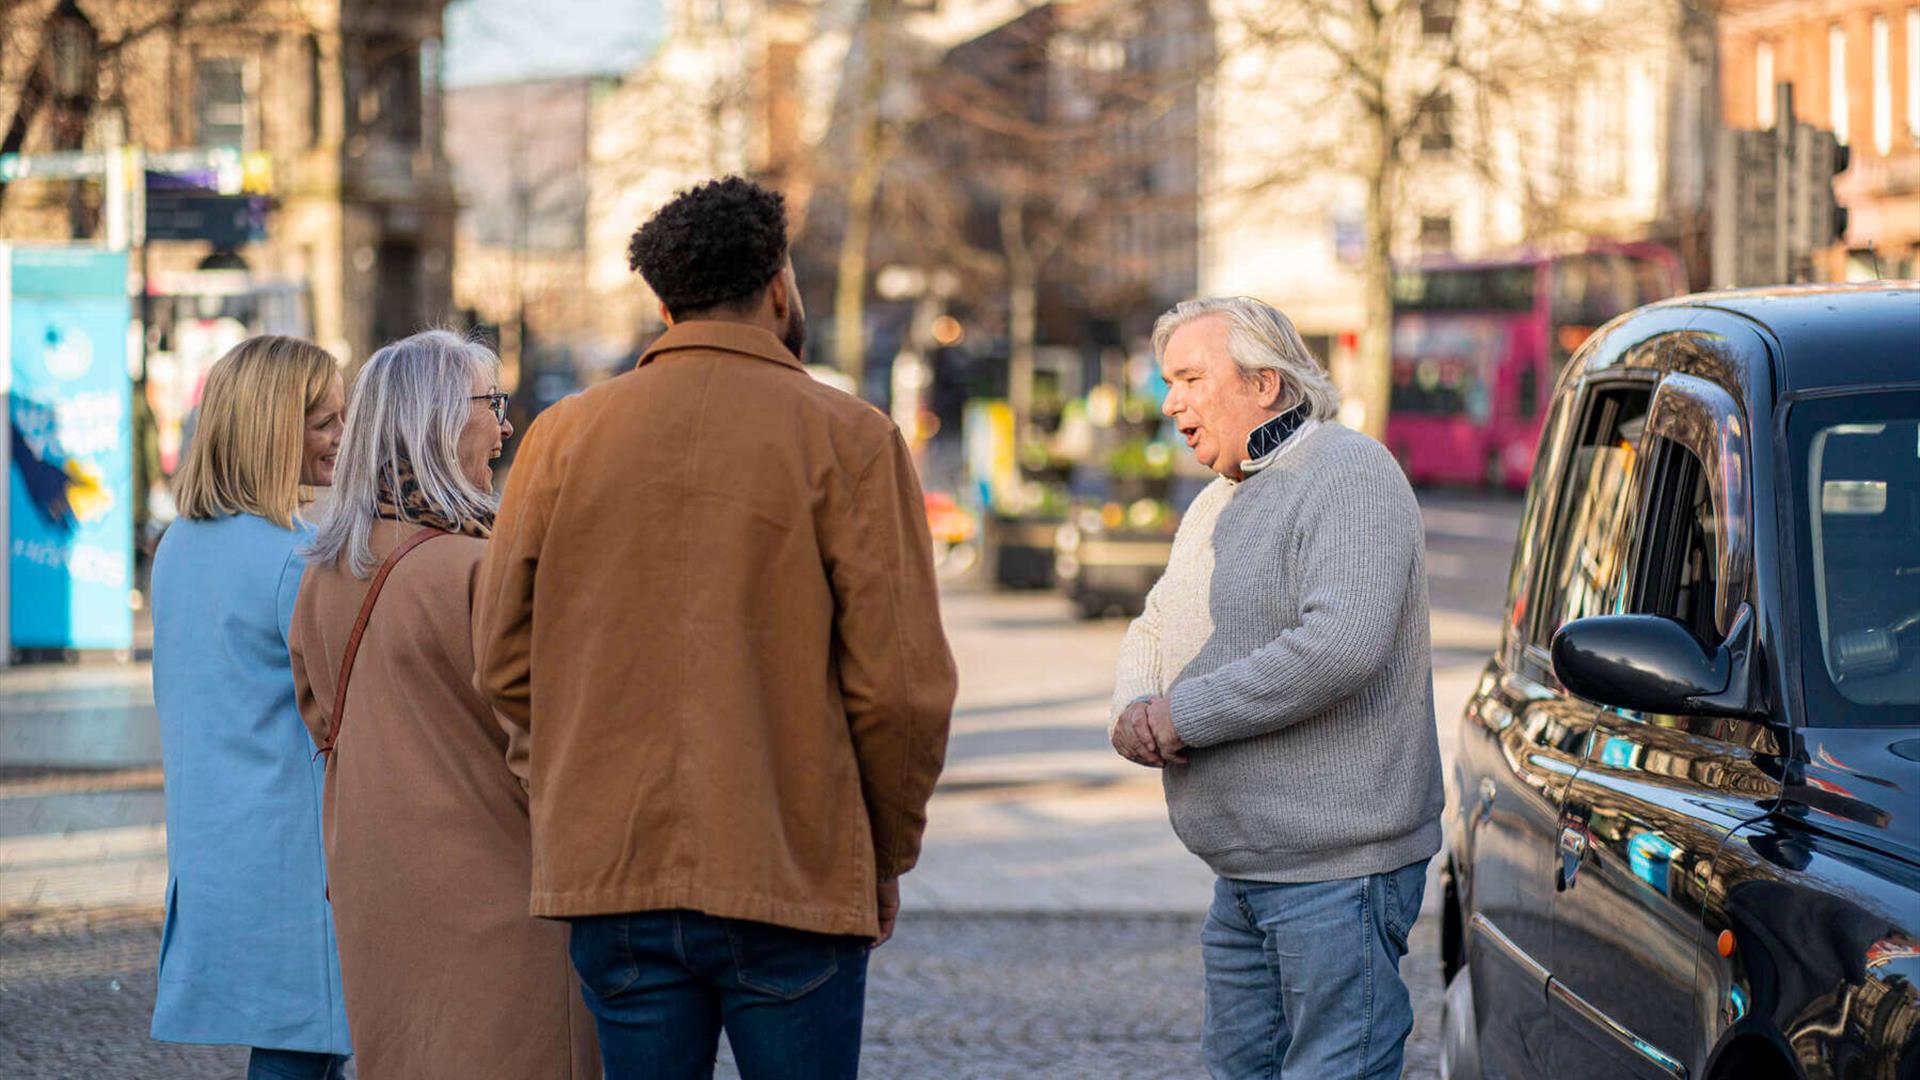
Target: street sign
(213,198)
(70,165)
(225,221)
(227,171)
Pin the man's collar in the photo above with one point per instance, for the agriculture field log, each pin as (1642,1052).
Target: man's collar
(1265,442)
(734,337)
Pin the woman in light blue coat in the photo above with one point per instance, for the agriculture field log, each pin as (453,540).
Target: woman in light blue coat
(247,956)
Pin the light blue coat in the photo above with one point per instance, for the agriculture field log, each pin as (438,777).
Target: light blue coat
(248,955)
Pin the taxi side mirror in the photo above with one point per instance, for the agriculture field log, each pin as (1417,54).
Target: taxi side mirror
(1653,664)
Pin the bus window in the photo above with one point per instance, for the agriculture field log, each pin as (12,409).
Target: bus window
(1432,387)
(1585,291)
(1443,363)
(1497,288)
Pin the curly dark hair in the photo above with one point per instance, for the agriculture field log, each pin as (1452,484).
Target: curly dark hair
(715,245)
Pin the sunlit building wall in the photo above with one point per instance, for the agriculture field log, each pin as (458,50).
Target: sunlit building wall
(342,95)
(1582,144)
(1854,66)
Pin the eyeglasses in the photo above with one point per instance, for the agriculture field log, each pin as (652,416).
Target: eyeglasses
(496,402)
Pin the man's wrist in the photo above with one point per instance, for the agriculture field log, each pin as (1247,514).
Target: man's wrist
(1184,714)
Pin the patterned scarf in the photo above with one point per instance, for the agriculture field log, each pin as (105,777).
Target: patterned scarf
(1271,435)
(412,506)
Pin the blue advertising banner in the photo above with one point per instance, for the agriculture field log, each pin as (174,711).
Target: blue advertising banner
(70,483)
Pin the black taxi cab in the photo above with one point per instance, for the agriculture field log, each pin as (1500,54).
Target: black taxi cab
(1683,824)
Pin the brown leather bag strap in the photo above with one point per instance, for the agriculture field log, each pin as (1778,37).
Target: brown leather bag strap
(360,628)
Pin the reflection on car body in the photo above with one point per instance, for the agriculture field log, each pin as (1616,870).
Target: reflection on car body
(1684,832)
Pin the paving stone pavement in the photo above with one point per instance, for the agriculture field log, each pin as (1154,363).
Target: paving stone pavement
(1051,928)
(977,996)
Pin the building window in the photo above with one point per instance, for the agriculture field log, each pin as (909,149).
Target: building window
(1612,119)
(429,121)
(397,302)
(1436,17)
(1837,106)
(1436,126)
(220,102)
(1763,91)
(1913,73)
(1436,234)
(1590,133)
(316,91)
(1566,138)
(390,100)
(1882,87)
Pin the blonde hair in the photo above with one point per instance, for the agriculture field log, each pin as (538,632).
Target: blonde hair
(251,434)
(1259,338)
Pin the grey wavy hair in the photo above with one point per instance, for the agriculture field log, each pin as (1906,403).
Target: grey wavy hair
(1259,338)
(411,401)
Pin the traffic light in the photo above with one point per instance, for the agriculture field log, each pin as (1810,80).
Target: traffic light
(1842,157)
(1824,159)
(1775,212)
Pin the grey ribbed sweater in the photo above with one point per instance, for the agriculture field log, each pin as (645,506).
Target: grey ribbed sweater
(1291,630)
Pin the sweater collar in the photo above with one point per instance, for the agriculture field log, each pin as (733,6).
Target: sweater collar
(723,336)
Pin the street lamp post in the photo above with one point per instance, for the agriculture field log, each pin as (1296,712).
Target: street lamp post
(912,375)
(72,44)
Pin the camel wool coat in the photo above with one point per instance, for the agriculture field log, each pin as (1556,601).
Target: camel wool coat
(427,841)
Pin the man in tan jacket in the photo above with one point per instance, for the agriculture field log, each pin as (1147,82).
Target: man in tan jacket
(710,600)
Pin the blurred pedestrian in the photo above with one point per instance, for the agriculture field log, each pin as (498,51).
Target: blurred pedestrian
(247,956)
(1281,676)
(428,849)
(711,599)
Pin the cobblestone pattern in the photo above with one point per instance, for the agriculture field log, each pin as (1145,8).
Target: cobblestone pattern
(75,999)
(953,997)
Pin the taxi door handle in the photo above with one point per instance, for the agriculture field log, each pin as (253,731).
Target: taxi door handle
(1573,846)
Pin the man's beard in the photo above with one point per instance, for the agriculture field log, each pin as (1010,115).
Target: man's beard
(795,339)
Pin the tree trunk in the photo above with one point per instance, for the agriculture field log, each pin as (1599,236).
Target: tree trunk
(1022,319)
(1023,314)
(1372,377)
(33,94)
(513,332)
(850,284)
(863,186)
(1373,374)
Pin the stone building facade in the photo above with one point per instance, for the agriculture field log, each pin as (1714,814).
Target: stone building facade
(338,99)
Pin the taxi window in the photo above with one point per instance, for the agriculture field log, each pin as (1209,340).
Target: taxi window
(1857,498)
(1585,553)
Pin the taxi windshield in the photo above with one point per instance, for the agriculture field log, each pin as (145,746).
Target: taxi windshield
(1856,467)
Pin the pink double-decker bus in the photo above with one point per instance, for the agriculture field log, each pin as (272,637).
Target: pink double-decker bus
(1477,347)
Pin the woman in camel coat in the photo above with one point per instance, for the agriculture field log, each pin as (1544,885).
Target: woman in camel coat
(427,838)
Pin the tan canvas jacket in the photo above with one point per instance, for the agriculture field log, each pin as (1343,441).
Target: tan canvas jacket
(710,599)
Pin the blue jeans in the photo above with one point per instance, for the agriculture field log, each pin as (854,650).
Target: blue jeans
(1304,980)
(264,1064)
(662,985)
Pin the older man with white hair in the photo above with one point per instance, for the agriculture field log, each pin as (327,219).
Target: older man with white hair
(1281,677)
